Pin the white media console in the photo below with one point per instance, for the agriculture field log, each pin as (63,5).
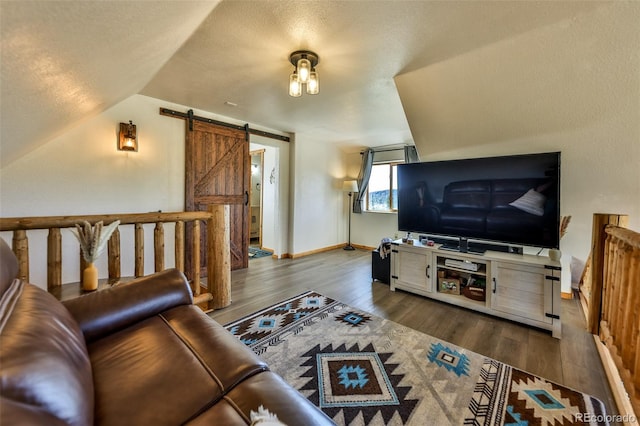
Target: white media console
(519,287)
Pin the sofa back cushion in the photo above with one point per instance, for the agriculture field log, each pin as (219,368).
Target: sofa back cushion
(471,194)
(44,364)
(101,313)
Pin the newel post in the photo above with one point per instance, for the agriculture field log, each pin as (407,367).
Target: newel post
(598,240)
(219,256)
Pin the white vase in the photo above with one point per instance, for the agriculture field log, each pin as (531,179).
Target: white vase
(555,254)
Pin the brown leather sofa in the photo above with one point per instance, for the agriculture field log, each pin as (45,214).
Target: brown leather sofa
(135,354)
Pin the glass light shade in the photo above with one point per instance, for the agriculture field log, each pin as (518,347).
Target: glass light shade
(129,144)
(295,87)
(313,85)
(303,69)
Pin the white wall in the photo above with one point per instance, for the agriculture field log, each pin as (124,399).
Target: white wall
(318,204)
(81,172)
(572,87)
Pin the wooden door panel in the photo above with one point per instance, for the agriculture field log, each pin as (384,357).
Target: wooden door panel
(217,172)
(239,214)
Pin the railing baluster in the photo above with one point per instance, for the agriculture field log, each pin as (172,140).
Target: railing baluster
(626,291)
(54,259)
(158,247)
(617,303)
(179,245)
(139,250)
(631,357)
(113,253)
(21,250)
(195,283)
(606,290)
(634,386)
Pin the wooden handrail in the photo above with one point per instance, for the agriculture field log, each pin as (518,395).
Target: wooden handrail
(624,235)
(47,222)
(215,224)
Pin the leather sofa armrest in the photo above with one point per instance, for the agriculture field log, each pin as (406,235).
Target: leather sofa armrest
(104,312)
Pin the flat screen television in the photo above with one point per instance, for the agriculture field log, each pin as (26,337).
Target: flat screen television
(511,199)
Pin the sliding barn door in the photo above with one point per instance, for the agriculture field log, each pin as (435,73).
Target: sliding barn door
(218,172)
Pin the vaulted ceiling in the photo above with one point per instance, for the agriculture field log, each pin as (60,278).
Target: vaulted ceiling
(66,61)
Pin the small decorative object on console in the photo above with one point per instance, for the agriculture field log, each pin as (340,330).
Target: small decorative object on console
(93,240)
(449,285)
(475,293)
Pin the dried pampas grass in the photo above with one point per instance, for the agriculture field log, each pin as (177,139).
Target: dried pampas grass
(93,239)
(564,224)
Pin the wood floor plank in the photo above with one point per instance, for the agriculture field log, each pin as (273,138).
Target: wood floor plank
(346,276)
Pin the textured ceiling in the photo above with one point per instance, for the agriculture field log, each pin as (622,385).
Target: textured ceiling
(63,62)
(66,61)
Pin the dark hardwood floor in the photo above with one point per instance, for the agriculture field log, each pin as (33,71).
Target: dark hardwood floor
(346,276)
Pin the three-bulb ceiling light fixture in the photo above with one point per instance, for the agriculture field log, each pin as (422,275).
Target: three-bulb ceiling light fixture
(305,73)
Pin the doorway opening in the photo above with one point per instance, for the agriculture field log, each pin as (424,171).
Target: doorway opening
(268,162)
(256,199)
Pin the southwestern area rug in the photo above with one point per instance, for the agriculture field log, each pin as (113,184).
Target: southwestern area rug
(364,370)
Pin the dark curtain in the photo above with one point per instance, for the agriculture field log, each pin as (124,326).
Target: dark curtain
(363,180)
(410,154)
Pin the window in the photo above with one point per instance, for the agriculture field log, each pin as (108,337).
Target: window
(382,192)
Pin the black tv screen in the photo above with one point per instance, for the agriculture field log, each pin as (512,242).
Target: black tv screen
(511,199)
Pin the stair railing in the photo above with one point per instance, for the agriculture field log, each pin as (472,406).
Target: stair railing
(614,306)
(217,290)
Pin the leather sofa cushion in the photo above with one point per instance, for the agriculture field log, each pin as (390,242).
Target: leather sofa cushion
(103,312)
(175,365)
(266,389)
(44,364)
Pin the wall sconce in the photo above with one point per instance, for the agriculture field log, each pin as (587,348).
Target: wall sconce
(127,138)
(304,73)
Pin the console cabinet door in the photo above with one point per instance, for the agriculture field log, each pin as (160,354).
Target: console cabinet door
(521,290)
(411,269)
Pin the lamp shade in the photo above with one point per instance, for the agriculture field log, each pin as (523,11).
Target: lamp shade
(313,85)
(295,87)
(303,70)
(350,186)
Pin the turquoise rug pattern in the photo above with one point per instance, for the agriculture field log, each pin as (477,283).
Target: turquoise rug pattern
(361,369)
(255,253)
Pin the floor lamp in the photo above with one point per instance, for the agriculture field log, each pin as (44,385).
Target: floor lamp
(350,186)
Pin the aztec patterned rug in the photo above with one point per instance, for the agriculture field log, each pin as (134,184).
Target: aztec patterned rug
(364,370)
